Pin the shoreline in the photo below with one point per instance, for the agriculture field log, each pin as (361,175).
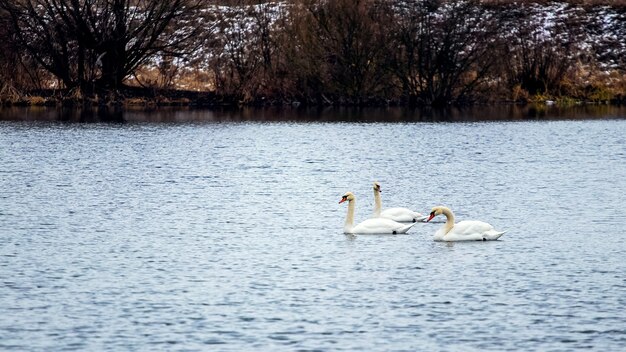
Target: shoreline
(134,97)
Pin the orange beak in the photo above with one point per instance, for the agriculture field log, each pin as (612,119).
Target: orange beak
(432,215)
(342,200)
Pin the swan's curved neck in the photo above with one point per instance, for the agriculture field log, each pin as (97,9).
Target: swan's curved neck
(378,204)
(350,217)
(449,219)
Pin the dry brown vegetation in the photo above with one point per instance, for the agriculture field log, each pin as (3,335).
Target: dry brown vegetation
(341,52)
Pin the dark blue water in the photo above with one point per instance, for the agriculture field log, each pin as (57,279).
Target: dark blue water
(222,235)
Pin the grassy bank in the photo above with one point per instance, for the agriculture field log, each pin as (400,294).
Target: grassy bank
(132,97)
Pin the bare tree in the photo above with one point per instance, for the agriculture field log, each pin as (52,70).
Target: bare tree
(541,46)
(100,41)
(443,50)
(344,47)
(244,55)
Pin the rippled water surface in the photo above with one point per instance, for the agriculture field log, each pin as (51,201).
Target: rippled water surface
(228,236)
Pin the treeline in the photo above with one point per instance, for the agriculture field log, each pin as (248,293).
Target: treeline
(340,52)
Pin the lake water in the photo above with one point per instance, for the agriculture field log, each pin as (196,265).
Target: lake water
(223,232)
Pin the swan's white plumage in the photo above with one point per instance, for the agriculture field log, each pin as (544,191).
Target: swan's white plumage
(396,214)
(370,226)
(380,225)
(468,230)
(402,215)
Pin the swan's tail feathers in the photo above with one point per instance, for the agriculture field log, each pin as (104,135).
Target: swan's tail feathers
(405,228)
(494,235)
(421,218)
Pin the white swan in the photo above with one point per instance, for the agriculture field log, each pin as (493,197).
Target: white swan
(469,230)
(370,226)
(395,214)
